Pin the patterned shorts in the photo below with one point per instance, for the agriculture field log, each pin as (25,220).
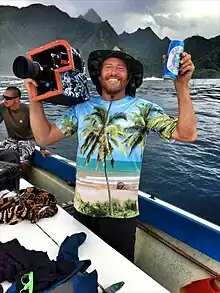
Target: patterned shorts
(25,148)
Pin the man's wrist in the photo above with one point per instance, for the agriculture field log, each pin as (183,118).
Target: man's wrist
(182,85)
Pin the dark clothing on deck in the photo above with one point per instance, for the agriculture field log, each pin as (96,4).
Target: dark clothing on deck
(16,260)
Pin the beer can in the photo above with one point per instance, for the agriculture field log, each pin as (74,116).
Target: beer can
(171,67)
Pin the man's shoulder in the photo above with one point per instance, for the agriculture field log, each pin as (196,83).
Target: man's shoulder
(77,108)
(2,107)
(92,101)
(143,101)
(97,100)
(148,103)
(24,106)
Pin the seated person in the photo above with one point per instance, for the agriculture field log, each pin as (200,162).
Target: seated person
(15,114)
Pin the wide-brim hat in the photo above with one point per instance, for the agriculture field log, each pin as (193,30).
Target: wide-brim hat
(135,68)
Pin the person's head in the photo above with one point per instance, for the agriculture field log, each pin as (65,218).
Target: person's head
(12,97)
(114,72)
(113,76)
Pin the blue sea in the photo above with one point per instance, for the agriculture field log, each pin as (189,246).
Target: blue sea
(184,174)
(121,167)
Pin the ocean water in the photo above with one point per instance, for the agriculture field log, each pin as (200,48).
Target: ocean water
(119,166)
(184,174)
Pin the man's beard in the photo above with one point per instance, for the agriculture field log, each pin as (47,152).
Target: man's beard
(111,89)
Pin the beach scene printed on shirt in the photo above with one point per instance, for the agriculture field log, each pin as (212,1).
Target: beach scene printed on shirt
(110,152)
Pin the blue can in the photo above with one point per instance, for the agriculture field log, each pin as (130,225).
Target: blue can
(171,67)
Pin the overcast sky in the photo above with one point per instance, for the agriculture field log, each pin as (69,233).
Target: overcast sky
(173,18)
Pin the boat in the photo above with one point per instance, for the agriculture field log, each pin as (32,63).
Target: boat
(173,246)
(113,272)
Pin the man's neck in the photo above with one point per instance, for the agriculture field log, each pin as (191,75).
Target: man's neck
(114,97)
(15,107)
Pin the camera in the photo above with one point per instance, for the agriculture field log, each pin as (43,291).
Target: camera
(59,72)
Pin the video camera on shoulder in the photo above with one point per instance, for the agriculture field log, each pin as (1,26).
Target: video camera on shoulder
(59,71)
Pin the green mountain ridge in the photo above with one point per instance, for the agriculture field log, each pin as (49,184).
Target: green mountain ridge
(29,27)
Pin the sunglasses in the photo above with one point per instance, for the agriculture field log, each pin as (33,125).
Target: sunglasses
(27,280)
(7,98)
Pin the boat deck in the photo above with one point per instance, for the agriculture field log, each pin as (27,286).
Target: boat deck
(48,234)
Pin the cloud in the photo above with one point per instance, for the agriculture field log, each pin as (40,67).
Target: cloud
(183,26)
(176,19)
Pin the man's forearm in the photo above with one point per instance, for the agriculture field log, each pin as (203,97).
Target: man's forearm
(186,125)
(39,123)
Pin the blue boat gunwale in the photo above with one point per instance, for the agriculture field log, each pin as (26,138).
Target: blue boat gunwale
(195,232)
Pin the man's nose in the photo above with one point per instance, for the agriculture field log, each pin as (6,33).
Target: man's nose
(114,71)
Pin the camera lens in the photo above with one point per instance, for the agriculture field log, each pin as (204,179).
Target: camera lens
(25,68)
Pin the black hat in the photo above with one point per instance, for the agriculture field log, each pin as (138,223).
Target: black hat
(135,68)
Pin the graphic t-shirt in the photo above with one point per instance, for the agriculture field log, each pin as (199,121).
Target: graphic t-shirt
(111,140)
(17,122)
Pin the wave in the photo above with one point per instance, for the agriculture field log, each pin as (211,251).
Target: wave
(112,180)
(11,82)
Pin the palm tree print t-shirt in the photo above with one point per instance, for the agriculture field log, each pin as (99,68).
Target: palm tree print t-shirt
(111,140)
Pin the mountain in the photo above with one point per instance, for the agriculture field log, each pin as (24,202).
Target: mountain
(30,27)
(205,54)
(146,46)
(80,16)
(92,16)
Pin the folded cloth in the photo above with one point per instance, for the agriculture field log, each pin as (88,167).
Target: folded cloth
(85,283)
(79,283)
(31,203)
